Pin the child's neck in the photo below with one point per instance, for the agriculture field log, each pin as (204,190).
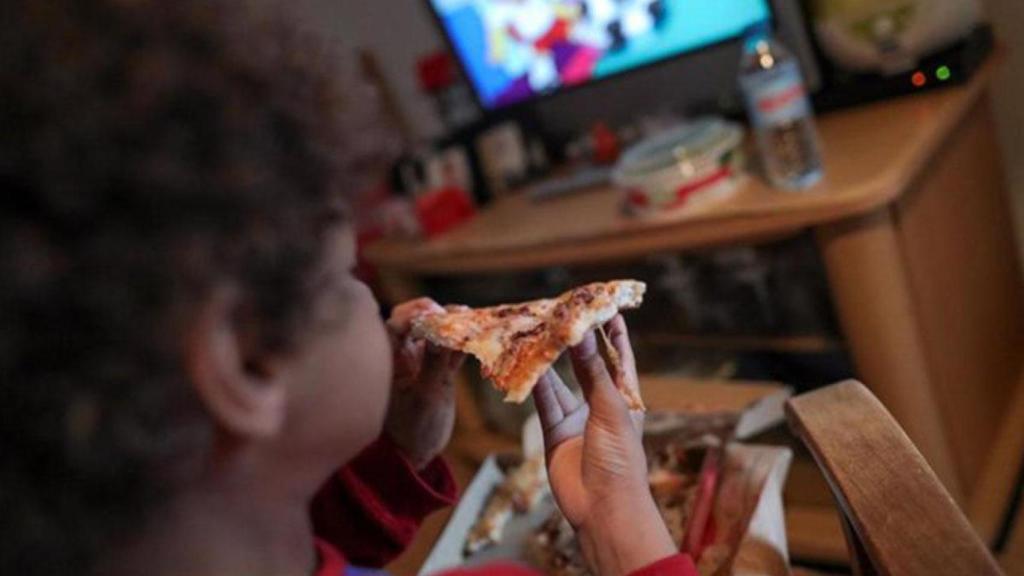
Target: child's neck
(228,524)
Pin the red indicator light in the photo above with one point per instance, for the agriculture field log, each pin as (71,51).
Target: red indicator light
(919,79)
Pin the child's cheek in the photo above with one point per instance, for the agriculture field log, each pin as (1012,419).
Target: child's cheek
(344,407)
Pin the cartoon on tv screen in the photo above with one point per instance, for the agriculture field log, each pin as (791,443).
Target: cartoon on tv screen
(515,49)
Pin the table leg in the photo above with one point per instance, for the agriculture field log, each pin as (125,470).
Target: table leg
(871,294)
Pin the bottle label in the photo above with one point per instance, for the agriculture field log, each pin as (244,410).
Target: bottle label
(776,96)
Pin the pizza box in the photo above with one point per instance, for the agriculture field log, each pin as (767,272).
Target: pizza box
(447,553)
(757,406)
(755,493)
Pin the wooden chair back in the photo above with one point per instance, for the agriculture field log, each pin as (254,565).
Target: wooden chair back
(898,518)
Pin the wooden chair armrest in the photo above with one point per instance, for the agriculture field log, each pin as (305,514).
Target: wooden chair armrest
(900,519)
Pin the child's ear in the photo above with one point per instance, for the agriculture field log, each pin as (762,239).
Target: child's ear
(246,397)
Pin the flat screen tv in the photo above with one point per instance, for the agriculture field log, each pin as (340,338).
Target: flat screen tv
(516,51)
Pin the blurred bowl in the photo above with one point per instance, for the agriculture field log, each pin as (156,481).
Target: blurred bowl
(693,162)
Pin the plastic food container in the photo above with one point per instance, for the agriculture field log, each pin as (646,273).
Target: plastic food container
(694,162)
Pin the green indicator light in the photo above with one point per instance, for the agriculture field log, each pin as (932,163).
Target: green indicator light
(943,73)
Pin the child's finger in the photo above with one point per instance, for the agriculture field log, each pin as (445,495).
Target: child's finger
(566,399)
(408,360)
(549,410)
(606,404)
(589,367)
(619,335)
(557,424)
(627,381)
(402,316)
(434,372)
(456,360)
(637,416)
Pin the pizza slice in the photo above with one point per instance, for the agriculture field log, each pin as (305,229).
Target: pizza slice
(517,343)
(519,493)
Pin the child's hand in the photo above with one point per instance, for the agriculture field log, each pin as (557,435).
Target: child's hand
(596,461)
(422,410)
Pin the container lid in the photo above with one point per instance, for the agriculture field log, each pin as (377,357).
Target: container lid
(700,141)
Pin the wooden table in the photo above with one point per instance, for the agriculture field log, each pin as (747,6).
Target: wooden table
(914,227)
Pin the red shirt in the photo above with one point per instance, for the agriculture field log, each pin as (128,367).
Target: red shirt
(370,510)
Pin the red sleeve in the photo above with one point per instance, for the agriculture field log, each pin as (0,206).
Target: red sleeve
(678,565)
(370,509)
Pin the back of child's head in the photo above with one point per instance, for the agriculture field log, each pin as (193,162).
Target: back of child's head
(149,151)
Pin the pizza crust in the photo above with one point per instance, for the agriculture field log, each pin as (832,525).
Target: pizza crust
(517,343)
(520,492)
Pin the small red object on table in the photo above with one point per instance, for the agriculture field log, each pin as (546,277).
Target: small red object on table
(605,143)
(435,72)
(441,210)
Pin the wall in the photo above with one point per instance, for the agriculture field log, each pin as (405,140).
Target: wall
(397,31)
(1008,97)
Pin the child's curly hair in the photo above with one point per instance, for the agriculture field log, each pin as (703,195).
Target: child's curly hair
(149,151)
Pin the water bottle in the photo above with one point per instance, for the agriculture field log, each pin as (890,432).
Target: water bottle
(780,112)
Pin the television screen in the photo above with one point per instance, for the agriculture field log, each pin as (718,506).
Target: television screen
(514,50)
